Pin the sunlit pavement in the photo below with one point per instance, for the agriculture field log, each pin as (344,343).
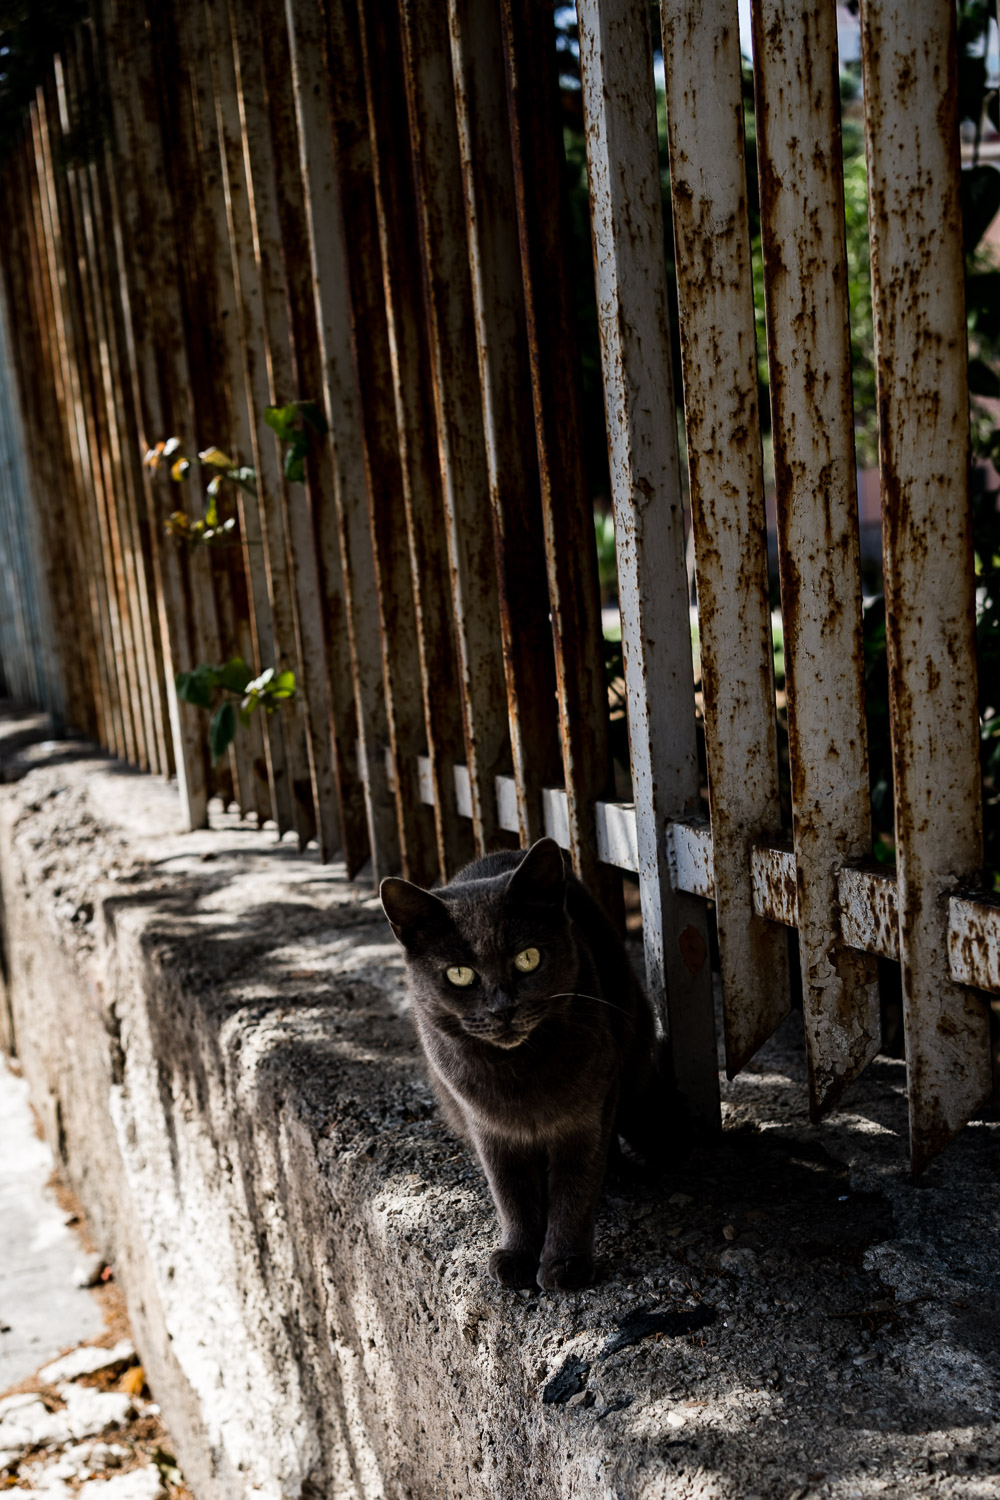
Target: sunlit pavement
(42,1312)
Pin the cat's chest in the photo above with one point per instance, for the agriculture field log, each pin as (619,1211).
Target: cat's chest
(529,1091)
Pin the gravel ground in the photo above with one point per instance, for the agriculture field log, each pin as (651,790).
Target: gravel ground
(83,1424)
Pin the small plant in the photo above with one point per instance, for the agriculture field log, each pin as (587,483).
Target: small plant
(209,528)
(235,694)
(294,425)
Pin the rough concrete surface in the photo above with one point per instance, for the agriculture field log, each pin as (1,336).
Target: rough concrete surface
(214,1031)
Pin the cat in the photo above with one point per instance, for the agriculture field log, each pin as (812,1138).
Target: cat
(540,1044)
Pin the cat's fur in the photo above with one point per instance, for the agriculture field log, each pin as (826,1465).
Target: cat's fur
(539,1070)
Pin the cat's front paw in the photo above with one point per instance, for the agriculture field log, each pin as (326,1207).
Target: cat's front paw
(565,1273)
(514,1267)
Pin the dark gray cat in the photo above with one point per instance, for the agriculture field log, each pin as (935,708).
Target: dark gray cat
(540,1044)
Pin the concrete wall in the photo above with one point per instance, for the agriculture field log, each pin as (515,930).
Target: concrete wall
(214,1032)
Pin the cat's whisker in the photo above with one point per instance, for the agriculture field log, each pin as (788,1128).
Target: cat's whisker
(579,995)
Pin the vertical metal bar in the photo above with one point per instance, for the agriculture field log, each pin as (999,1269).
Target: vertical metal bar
(909,58)
(28,650)
(358,384)
(47,230)
(616,66)
(218,586)
(161,577)
(47,471)
(318,300)
(180,47)
(464,477)
(180,352)
(62,113)
(272,608)
(33,575)
(129,492)
(85,358)
(263,760)
(156,362)
(387,295)
(797,81)
(701,51)
(567,508)
(291,541)
(505,382)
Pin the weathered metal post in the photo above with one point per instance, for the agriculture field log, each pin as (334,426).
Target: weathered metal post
(909,57)
(812,413)
(719,355)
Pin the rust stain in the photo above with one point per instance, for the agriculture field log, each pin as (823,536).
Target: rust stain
(692,949)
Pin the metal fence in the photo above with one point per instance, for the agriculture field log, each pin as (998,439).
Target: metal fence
(217,207)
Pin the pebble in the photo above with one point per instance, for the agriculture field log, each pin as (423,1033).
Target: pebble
(85,1361)
(137,1484)
(78,1462)
(89,1412)
(89,1272)
(34,1426)
(16,1402)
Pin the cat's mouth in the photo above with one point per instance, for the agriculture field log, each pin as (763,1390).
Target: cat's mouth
(508,1040)
(504,1036)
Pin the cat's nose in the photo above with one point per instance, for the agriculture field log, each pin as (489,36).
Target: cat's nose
(500,1003)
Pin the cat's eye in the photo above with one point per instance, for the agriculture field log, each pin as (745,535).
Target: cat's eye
(460,975)
(528,960)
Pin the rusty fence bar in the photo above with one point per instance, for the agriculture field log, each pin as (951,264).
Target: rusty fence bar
(386,285)
(910,63)
(567,517)
(627,225)
(505,384)
(812,415)
(712,238)
(213,208)
(26,636)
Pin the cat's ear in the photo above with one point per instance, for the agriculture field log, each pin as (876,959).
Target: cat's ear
(411,910)
(540,878)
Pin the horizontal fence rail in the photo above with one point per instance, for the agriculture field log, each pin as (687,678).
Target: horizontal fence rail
(296,372)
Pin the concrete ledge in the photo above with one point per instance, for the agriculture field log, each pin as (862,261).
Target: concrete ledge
(214,1031)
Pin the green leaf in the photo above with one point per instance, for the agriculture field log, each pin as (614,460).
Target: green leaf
(235,675)
(314,416)
(243,715)
(216,458)
(221,731)
(295,468)
(283,685)
(197,687)
(282,420)
(980,203)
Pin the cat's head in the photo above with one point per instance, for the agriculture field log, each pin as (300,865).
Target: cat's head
(490,957)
